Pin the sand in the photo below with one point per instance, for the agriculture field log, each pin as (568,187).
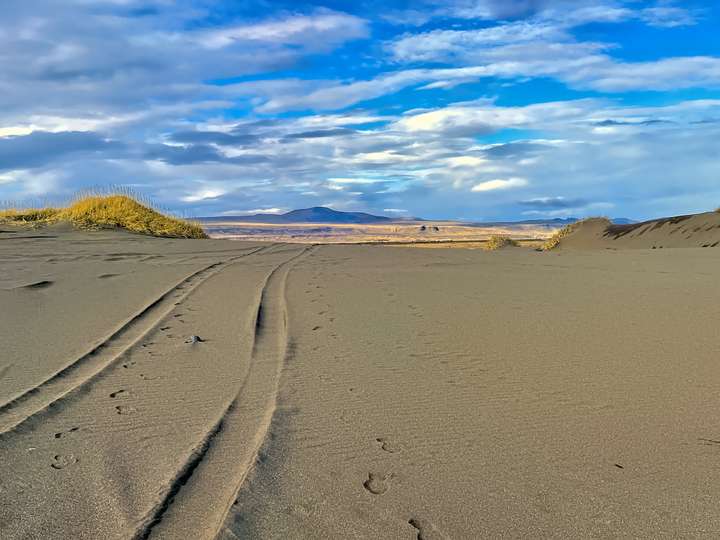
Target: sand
(694,230)
(354,391)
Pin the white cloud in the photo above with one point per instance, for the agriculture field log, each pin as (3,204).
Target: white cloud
(465,161)
(355,180)
(665,74)
(668,16)
(500,184)
(204,194)
(476,119)
(321,30)
(253,211)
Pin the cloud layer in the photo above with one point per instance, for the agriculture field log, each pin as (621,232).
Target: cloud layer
(475,109)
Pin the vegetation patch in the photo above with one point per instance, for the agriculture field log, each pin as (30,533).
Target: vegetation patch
(498,241)
(106,212)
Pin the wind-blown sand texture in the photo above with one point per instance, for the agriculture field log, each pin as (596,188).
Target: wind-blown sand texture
(354,391)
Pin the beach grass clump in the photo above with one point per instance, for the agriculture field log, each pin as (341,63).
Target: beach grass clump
(28,216)
(554,240)
(498,241)
(122,211)
(109,211)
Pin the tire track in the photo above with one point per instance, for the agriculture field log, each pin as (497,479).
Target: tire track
(16,412)
(220,462)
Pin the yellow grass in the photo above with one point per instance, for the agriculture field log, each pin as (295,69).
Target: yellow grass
(109,211)
(498,241)
(37,215)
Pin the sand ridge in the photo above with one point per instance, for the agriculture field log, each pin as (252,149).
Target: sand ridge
(694,230)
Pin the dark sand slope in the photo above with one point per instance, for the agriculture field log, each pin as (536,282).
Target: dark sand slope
(355,391)
(695,230)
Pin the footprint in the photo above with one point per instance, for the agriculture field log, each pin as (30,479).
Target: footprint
(116,394)
(61,461)
(426,530)
(107,276)
(377,484)
(129,364)
(125,409)
(44,284)
(62,434)
(316,328)
(388,446)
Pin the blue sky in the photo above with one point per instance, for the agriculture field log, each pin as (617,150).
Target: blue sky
(463,109)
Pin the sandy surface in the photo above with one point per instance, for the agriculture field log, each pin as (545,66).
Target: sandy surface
(355,391)
(695,230)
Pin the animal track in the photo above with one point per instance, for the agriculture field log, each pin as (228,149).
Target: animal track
(61,461)
(116,394)
(426,530)
(125,409)
(62,434)
(388,446)
(709,442)
(377,484)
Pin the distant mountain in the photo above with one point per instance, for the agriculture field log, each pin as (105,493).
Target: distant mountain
(321,214)
(317,214)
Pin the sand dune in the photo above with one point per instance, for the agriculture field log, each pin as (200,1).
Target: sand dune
(695,230)
(155,388)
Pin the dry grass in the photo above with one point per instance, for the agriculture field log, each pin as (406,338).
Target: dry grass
(499,241)
(108,211)
(28,216)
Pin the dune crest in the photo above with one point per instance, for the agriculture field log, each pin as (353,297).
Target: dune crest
(694,230)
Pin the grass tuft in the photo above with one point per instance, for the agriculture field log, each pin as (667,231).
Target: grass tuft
(108,211)
(498,241)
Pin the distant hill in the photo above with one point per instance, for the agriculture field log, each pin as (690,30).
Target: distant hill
(554,222)
(317,214)
(321,214)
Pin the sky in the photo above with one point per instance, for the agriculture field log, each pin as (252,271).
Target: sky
(442,109)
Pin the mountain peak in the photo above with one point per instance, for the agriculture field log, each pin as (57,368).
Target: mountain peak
(315,214)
